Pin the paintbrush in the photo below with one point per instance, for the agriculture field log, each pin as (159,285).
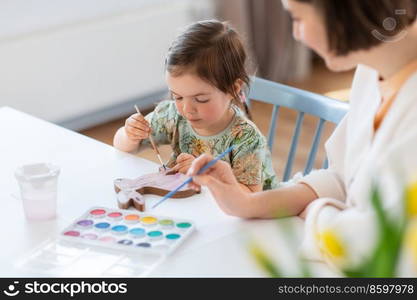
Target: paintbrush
(202,170)
(155,148)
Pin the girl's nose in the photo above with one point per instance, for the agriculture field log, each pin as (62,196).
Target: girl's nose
(188,106)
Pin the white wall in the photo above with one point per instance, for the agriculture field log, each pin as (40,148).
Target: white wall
(74,58)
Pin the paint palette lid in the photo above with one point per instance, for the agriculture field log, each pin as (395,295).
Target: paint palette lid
(65,258)
(128,230)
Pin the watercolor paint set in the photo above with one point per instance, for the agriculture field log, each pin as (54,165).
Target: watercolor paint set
(108,242)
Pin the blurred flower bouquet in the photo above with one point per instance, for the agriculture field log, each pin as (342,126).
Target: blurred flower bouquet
(394,252)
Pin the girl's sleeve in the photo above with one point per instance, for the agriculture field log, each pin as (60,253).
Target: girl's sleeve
(163,121)
(248,157)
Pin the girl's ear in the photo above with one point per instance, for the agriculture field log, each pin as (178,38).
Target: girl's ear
(238,86)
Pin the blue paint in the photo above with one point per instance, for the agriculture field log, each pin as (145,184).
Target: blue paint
(119,228)
(102,225)
(183,225)
(137,232)
(173,236)
(155,234)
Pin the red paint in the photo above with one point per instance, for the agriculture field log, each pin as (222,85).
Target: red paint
(97,212)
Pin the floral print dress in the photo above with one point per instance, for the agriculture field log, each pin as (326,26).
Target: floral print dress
(250,160)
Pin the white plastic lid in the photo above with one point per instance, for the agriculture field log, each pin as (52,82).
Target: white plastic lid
(37,171)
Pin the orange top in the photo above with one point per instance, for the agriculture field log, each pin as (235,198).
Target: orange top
(390,88)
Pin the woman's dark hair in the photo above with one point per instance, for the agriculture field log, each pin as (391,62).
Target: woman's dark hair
(214,51)
(361,24)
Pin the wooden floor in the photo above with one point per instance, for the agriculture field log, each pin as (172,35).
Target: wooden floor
(322,81)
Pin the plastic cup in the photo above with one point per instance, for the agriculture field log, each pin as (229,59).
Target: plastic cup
(38,190)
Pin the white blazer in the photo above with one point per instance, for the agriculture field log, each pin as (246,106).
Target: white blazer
(357,158)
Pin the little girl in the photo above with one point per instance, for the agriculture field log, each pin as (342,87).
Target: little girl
(206,76)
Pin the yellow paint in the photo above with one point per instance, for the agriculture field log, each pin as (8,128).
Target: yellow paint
(149,220)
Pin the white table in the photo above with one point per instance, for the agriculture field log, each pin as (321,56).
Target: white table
(218,247)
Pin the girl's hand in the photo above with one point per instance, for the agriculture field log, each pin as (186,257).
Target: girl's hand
(223,185)
(184,161)
(137,128)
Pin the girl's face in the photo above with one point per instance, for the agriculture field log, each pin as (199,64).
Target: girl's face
(204,106)
(308,28)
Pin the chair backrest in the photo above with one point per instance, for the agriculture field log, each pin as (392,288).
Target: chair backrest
(326,109)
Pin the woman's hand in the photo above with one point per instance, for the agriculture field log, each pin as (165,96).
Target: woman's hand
(223,185)
(137,128)
(184,161)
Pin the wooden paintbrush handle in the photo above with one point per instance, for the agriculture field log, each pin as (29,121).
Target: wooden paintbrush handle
(155,148)
(153,144)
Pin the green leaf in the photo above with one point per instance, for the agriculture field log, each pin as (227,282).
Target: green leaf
(383,260)
(265,261)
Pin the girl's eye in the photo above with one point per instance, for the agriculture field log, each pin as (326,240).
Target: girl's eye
(177,98)
(201,100)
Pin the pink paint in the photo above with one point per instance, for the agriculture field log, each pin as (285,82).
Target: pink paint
(107,239)
(114,215)
(72,233)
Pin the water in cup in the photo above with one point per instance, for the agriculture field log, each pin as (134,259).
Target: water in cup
(38,190)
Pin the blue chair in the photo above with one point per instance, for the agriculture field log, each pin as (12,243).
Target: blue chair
(326,109)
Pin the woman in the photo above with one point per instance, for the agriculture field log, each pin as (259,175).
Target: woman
(377,137)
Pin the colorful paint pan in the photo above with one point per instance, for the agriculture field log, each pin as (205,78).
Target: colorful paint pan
(166,223)
(144,245)
(183,225)
(84,224)
(102,226)
(72,233)
(97,213)
(131,219)
(125,242)
(137,232)
(107,239)
(172,236)
(119,229)
(90,236)
(155,235)
(148,221)
(115,215)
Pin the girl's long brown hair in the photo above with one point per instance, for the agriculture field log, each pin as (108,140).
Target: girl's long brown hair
(214,51)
